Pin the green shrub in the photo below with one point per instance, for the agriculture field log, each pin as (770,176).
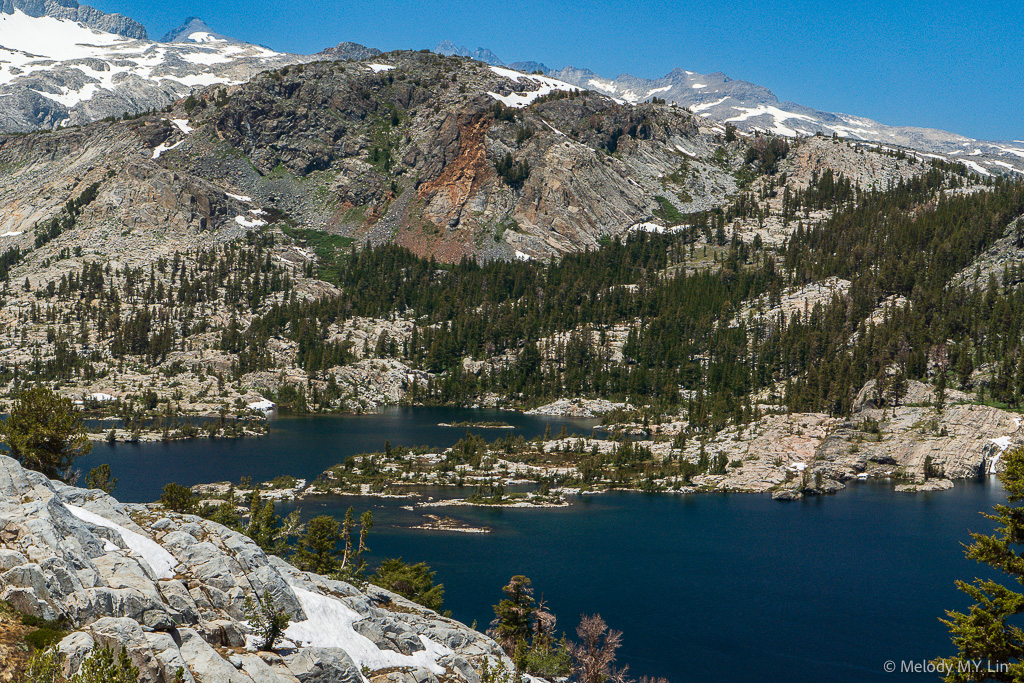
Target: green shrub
(178,498)
(42,638)
(512,172)
(412,581)
(265,620)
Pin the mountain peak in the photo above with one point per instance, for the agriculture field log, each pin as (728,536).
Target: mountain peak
(195,30)
(481,54)
(348,50)
(448,48)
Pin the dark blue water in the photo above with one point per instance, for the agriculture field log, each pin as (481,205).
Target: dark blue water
(720,587)
(704,587)
(300,446)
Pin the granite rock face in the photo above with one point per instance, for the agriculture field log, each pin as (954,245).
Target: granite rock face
(169,589)
(83,14)
(408,150)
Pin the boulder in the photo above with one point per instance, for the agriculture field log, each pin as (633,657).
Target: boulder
(99,576)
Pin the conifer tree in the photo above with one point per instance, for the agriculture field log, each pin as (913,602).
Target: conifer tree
(44,433)
(318,546)
(989,631)
(513,616)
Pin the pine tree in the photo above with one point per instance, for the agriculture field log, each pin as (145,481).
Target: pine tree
(987,631)
(346,533)
(513,616)
(45,433)
(265,619)
(318,546)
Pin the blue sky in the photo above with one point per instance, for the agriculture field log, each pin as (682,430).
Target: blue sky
(958,66)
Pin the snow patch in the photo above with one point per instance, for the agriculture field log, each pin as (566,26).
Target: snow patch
(12,233)
(207,58)
(329,624)
(68,97)
(204,37)
(263,405)
(377,68)
(975,166)
(99,396)
(1012,150)
(163,147)
(707,105)
(193,80)
(522,256)
(1002,442)
(778,117)
(246,223)
(518,100)
(654,227)
(239,197)
(32,38)
(159,560)
(698,86)
(1005,165)
(182,125)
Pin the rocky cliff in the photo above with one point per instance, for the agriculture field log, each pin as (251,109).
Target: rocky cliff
(70,10)
(406,147)
(169,588)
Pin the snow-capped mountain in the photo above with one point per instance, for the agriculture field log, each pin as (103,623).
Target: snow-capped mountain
(753,107)
(195,30)
(64,64)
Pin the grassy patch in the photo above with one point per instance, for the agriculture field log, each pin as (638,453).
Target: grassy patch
(355,215)
(328,248)
(279,171)
(667,211)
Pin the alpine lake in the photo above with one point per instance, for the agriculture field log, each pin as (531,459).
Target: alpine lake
(732,587)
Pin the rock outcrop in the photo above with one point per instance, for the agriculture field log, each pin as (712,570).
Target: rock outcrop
(348,50)
(170,588)
(82,14)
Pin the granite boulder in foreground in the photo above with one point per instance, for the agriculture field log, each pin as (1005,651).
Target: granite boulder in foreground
(170,589)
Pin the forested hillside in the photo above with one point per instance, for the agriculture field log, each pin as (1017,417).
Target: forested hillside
(427,230)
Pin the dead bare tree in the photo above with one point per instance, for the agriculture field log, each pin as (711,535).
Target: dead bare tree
(595,653)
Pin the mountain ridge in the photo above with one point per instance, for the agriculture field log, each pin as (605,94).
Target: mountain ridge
(73,81)
(84,14)
(751,107)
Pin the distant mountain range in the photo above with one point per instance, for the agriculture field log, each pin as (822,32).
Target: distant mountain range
(753,107)
(62,63)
